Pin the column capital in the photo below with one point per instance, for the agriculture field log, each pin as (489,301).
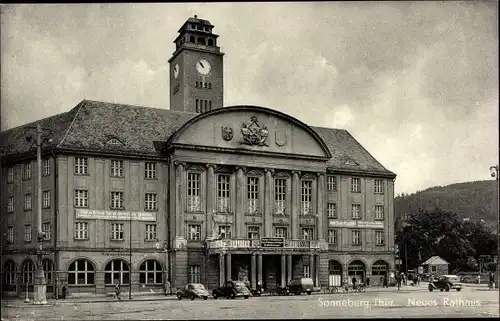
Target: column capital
(269,170)
(179,163)
(320,174)
(296,172)
(239,168)
(214,166)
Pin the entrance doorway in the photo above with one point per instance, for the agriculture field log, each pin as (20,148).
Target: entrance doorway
(271,271)
(240,267)
(334,273)
(356,270)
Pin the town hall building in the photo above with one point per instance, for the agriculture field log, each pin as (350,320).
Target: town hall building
(200,192)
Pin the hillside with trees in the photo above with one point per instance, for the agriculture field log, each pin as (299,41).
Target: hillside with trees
(473,200)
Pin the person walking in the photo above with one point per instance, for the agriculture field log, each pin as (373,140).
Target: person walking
(64,291)
(118,291)
(491,281)
(385,282)
(399,279)
(354,282)
(367,282)
(166,288)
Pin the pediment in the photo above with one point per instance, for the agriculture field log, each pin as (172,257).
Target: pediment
(223,170)
(254,172)
(281,175)
(308,176)
(111,140)
(195,168)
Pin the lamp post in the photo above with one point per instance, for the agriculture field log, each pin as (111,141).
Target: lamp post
(40,295)
(494,173)
(130,255)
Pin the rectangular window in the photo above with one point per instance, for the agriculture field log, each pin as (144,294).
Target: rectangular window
(210,102)
(194,274)
(47,230)
(331,183)
(281,232)
(150,170)
(332,210)
(433,268)
(355,185)
(10,175)
(223,192)
(151,232)
(306,271)
(197,106)
(379,186)
(27,202)
(117,168)
(46,199)
(194,232)
(10,204)
(46,167)
(307,233)
(117,231)
(117,200)
(356,237)
(332,236)
(306,198)
(356,211)
(81,230)
(193,192)
(10,234)
(279,195)
(81,165)
(81,198)
(27,171)
(27,233)
(224,231)
(379,237)
(253,194)
(253,232)
(150,203)
(379,212)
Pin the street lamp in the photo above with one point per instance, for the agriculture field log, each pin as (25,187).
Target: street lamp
(40,295)
(494,174)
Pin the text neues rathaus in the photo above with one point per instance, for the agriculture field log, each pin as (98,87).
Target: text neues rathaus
(212,193)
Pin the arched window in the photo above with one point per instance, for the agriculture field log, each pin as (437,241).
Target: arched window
(117,271)
(192,39)
(10,273)
(356,269)
(334,273)
(210,42)
(201,41)
(150,272)
(48,268)
(380,267)
(81,272)
(28,270)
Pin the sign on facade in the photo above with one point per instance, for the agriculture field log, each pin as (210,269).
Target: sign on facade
(272,242)
(115,215)
(355,224)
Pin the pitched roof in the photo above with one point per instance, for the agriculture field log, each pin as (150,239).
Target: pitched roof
(91,124)
(435,260)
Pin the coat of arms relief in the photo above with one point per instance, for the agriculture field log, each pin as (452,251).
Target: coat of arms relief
(253,133)
(227,133)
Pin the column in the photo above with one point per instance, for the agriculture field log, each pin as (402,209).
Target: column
(320,190)
(289,269)
(295,204)
(317,268)
(253,269)
(228,266)
(312,268)
(210,199)
(239,213)
(222,272)
(268,204)
(179,199)
(259,268)
(283,270)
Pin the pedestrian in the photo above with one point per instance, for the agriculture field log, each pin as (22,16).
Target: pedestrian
(491,280)
(166,288)
(354,282)
(118,291)
(64,291)
(367,282)
(479,279)
(399,279)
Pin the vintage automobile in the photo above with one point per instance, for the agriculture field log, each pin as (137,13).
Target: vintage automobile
(445,283)
(301,285)
(193,291)
(232,289)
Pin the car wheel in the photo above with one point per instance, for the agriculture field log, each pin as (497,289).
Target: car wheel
(447,288)
(246,296)
(233,296)
(308,292)
(430,289)
(179,297)
(192,297)
(458,290)
(205,298)
(441,290)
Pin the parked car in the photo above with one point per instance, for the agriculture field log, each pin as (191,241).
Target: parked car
(232,289)
(193,291)
(301,285)
(445,283)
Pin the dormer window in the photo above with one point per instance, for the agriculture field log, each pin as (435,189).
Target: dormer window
(210,42)
(192,39)
(114,141)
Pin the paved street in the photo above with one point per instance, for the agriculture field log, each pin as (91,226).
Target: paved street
(470,302)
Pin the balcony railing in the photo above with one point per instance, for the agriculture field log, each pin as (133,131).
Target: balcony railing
(243,244)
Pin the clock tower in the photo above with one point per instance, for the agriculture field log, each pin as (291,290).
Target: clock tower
(196,69)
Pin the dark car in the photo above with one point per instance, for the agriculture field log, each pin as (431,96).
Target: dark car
(445,283)
(232,289)
(193,291)
(302,285)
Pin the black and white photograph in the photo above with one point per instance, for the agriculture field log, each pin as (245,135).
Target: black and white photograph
(249,160)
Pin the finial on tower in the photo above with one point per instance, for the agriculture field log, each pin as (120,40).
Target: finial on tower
(195,16)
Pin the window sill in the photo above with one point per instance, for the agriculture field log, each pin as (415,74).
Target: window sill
(86,239)
(45,175)
(11,182)
(26,179)
(150,179)
(380,193)
(117,240)
(195,212)
(117,209)
(253,214)
(82,285)
(356,244)
(80,206)
(113,176)
(147,240)
(27,209)
(25,241)
(224,213)
(355,191)
(379,219)
(148,210)
(379,244)
(45,207)
(10,212)
(333,218)
(82,174)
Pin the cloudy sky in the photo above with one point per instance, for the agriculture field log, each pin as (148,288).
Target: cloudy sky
(415,82)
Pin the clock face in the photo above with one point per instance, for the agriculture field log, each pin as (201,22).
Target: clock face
(176,70)
(203,66)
